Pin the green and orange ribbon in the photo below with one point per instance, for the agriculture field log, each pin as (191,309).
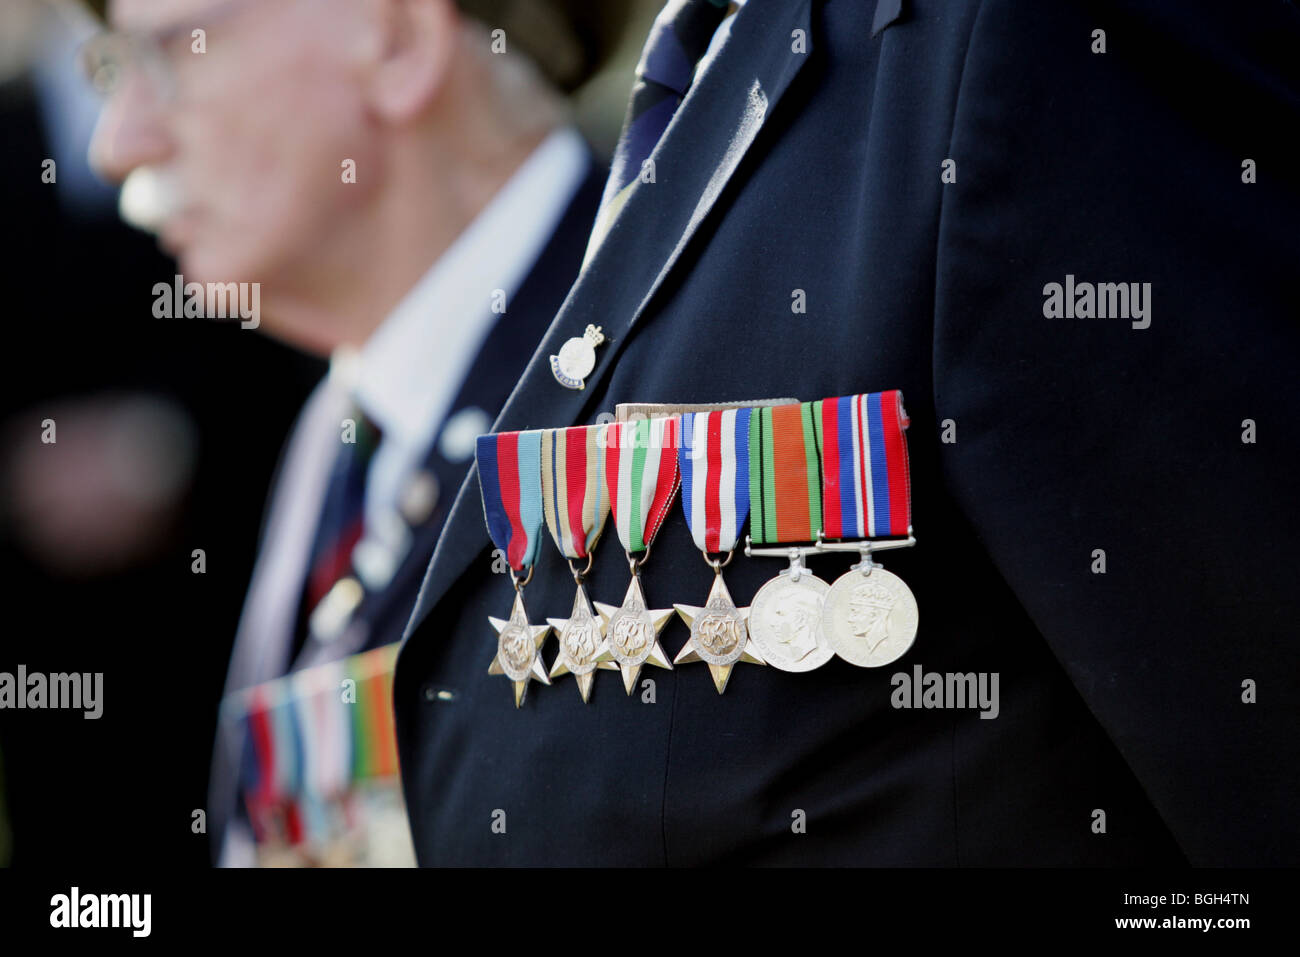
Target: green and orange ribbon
(785,479)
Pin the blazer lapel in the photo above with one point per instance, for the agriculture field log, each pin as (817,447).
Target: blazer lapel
(694,160)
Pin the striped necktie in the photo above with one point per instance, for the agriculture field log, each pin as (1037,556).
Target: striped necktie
(678,40)
(342,521)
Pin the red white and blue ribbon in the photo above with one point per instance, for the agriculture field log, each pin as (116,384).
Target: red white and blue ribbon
(323,777)
(714,461)
(866,487)
(272,762)
(510,477)
(641,477)
(574,501)
(256,760)
(286,744)
(327,729)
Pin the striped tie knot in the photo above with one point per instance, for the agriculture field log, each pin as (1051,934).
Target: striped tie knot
(678,40)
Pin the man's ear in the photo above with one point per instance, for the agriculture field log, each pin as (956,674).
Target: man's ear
(417,40)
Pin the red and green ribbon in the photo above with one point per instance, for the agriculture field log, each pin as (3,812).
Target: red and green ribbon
(785,482)
(641,477)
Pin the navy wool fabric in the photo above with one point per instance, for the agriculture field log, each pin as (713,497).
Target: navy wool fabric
(821,171)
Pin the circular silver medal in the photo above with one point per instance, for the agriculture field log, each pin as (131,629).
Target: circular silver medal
(869,620)
(785,621)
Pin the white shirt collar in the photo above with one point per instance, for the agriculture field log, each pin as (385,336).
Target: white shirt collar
(409,371)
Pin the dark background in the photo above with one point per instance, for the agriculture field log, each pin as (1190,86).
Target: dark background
(81,335)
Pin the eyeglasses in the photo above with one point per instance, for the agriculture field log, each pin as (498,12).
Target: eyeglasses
(108,57)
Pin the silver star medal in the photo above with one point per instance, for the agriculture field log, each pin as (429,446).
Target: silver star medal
(719,634)
(519,645)
(583,647)
(577,358)
(633,631)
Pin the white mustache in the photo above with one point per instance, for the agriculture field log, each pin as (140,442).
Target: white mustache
(150,195)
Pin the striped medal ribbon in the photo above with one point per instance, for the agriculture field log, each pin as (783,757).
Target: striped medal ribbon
(270,766)
(326,747)
(313,739)
(785,489)
(286,736)
(869,615)
(510,478)
(374,747)
(866,485)
(713,456)
(641,479)
(576,505)
(310,809)
(257,767)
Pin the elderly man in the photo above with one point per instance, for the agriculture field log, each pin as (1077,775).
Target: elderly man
(400,183)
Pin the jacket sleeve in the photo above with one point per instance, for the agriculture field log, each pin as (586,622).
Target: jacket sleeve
(1132,474)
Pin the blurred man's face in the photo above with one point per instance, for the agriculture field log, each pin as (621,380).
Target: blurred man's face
(251,133)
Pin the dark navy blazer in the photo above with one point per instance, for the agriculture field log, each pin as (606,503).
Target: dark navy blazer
(811,156)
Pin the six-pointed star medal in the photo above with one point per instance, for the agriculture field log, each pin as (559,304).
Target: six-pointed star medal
(632,631)
(518,654)
(719,635)
(583,648)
